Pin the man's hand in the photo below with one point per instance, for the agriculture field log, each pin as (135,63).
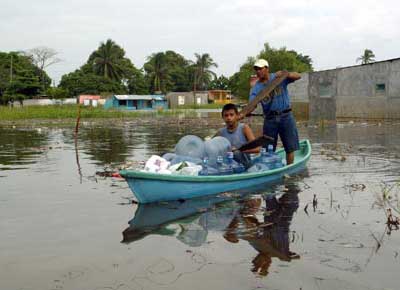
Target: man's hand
(280,73)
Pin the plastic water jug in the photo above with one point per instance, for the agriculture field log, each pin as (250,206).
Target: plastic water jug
(236,166)
(191,146)
(223,168)
(207,170)
(217,146)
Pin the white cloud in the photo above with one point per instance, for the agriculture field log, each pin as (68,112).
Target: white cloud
(332,33)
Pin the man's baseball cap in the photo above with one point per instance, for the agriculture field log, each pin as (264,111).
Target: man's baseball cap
(261,63)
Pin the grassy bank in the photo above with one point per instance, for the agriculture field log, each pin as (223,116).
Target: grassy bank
(71,111)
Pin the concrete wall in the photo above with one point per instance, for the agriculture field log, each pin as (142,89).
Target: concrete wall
(369,91)
(322,91)
(46,102)
(298,92)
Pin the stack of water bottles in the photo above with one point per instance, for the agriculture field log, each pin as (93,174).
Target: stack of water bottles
(214,155)
(267,160)
(224,166)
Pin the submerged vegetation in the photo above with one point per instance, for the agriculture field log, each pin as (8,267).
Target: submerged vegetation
(71,112)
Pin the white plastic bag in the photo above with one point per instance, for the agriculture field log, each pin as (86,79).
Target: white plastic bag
(155,164)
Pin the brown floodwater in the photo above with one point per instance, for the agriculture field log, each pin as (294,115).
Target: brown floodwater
(62,226)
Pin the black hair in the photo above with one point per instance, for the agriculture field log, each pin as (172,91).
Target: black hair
(228,107)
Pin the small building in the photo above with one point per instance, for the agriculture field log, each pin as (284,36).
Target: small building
(368,91)
(178,99)
(89,100)
(220,96)
(137,102)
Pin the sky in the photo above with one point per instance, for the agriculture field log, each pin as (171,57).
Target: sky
(332,33)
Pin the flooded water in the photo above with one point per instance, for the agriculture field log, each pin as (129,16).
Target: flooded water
(64,227)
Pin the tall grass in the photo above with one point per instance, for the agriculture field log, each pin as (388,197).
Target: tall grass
(71,111)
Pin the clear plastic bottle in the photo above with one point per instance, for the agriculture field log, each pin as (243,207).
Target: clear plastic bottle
(223,169)
(236,166)
(204,171)
(207,169)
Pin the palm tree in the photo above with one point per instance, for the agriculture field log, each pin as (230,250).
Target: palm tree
(367,57)
(156,68)
(107,60)
(202,72)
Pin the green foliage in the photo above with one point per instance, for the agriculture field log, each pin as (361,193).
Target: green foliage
(107,71)
(240,81)
(220,83)
(136,83)
(78,82)
(203,74)
(57,93)
(108,61)
(278,59)
(167,71)
(282,59)
(367,57)
(19,77)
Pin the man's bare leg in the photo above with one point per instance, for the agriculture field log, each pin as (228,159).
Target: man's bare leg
(289,158)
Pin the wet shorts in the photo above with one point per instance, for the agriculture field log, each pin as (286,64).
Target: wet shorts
(285,126)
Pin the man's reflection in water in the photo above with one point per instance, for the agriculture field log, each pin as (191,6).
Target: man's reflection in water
(270,237)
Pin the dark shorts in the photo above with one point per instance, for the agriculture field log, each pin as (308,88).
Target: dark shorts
(285,126)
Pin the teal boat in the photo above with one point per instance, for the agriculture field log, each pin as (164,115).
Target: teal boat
(153,187)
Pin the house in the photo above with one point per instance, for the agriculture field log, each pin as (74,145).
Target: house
(220,96)
(89,100)
(178,99)
(137,102)
(368,91)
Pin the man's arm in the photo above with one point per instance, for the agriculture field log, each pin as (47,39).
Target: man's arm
(293,76)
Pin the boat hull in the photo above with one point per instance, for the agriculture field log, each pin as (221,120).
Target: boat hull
(150,187)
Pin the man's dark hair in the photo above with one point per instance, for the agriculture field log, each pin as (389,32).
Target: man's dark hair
(228,107)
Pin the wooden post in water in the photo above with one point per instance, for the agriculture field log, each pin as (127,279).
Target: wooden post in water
(78,118)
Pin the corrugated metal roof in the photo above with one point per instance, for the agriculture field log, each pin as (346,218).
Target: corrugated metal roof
(140,97)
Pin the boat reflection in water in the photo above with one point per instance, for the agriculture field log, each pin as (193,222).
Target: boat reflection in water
(268,235)
(263,220)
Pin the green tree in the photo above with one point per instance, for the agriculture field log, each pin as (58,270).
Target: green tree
(278,59)
(367,57)
(156,71)
(136,83)
(57,93)
(19,77)
(220,83)
(167,71)
(79,82)
(202,71)
(107,60)
(107,71)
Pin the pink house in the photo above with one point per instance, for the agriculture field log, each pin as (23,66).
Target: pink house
(90,99)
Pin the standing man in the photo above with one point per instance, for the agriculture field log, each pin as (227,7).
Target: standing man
(278,117)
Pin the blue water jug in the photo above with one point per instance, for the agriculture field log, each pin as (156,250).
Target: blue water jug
(236,166)
(223,168)
(207,170)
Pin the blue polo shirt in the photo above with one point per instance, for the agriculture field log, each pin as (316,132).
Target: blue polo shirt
(280,100)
